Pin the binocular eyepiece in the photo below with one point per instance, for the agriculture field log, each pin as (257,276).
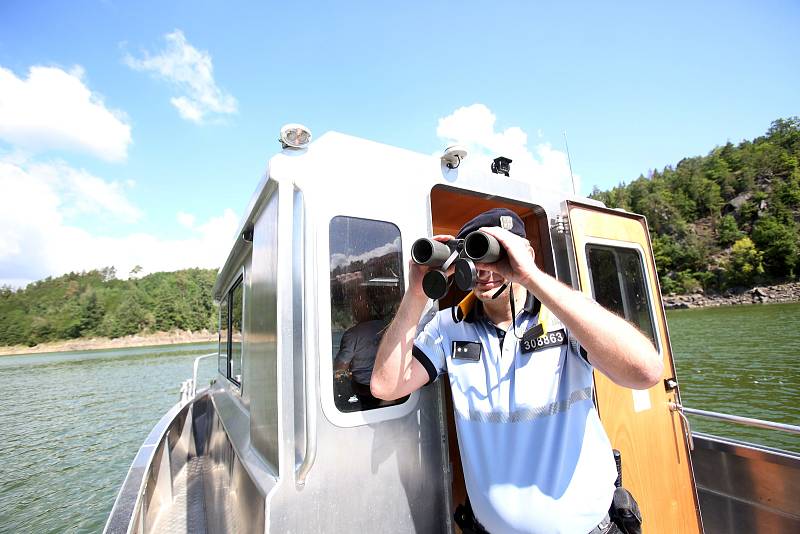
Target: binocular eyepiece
(461,253)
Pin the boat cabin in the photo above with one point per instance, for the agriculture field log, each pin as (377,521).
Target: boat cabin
(288,438)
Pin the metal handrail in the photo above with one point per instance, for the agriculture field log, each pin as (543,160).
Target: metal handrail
(193,386)
(748,421)
(310,327)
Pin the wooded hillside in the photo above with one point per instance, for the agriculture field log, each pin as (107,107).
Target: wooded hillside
(723,220)
(98,304)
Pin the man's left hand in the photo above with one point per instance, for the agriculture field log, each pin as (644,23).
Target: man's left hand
(519,265)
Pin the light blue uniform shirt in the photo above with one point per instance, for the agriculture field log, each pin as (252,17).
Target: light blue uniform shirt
(535,455)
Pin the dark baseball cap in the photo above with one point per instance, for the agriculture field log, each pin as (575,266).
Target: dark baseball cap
(502,217)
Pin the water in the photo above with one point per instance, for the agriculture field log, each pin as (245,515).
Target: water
(72,422)
(741,360)
(71,425)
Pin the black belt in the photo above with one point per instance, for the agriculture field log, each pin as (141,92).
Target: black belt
(606,526)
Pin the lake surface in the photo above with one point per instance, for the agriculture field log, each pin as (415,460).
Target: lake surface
(72,422)
(741,360)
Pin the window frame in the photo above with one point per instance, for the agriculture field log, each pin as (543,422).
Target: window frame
(325,336)
(640,252)
(220,358)
(238,281)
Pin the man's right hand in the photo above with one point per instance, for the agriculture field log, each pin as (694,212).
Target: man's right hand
(396,372)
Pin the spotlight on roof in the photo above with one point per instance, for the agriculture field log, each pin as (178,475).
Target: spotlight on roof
(295,136)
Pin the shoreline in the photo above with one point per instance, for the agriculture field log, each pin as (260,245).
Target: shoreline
(176,337)
(777,293)
(770,294)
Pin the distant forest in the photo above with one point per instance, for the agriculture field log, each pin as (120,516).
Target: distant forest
(96,303)
(725,220)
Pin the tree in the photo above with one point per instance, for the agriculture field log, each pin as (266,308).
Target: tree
(109,273)
(786,133)
(131,317)
(778,241)
(745,263)
(728,231)
(97,303)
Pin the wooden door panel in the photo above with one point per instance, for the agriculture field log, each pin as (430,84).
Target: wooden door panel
(650,437)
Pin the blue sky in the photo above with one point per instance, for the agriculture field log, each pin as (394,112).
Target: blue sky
(125,148)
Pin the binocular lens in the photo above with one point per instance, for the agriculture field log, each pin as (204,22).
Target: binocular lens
(435,284)
(421,251)
(466,274)
(482,247)
(430,252)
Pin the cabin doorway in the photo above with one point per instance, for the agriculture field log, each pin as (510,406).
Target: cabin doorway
(450,209)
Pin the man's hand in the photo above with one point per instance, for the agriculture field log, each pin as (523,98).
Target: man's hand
(519,265)
(396,372)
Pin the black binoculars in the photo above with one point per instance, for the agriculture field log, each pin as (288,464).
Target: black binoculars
(476,247)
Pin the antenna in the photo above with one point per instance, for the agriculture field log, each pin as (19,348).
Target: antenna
(569,160)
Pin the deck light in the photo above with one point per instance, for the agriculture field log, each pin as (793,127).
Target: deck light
(295,136)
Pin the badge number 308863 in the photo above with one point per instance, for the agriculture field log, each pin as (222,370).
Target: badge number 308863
(551,339)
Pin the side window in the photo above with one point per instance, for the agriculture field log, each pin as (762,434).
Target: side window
(236,333)
(619,284)
(230,333)
(223,336)
(366,287)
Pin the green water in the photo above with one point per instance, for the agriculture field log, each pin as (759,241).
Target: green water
(741,360)
(71,425)
(72,422)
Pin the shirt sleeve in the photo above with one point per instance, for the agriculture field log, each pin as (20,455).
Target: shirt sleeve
(429,350)
(346,348)
(577,349)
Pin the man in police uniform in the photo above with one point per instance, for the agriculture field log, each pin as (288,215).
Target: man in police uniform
(535,456)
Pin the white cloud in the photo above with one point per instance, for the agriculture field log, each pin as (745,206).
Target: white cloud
(80,192)
(53,108)
(191,73)
(474,127)
(38,240)
(185,219)
(338,259)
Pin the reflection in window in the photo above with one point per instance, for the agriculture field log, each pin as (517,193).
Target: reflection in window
(223,336)
(366,288)
(236,333)
(619,284)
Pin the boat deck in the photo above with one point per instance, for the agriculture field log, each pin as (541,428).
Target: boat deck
(188,511)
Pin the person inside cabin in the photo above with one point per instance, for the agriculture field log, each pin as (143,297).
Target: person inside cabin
(358,347)
(535,455)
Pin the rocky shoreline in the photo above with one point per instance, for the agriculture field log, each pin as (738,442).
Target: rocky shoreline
(757,295)
(95,343)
